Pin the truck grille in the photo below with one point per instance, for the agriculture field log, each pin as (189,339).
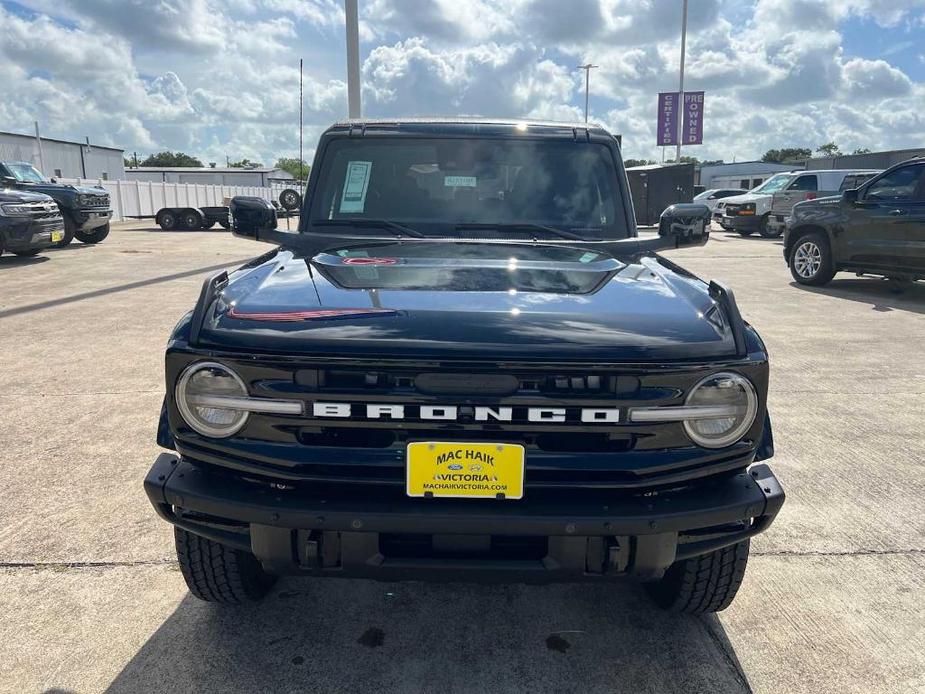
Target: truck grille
(94,199)
(360,452)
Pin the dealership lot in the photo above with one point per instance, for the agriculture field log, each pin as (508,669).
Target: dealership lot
(834,599)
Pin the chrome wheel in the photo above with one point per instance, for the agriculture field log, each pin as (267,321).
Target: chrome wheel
(807,259)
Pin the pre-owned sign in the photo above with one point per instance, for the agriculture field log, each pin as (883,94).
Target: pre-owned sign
(691,112)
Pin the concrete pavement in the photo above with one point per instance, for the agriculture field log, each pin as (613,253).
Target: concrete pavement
(92,600)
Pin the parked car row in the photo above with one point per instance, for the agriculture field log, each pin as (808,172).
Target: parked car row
(764,210)
(36,212)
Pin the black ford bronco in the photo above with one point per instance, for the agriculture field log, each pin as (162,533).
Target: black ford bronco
(466,365)
(86,209)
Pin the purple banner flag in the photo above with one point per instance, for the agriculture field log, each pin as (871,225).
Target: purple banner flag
(668,118)
(692,128)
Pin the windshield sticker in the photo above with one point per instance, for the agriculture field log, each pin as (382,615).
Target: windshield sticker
(460,182)
(356,183)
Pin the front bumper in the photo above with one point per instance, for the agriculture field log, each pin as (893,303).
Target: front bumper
(92,218)
(27,234)
(297,531)
(742,222)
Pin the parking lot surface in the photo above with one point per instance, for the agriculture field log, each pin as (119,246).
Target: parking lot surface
(91,599)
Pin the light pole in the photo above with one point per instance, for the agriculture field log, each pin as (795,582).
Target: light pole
(353,58)
(680,105)
(587,68)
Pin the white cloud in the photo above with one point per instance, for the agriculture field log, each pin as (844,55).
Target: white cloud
(220,77)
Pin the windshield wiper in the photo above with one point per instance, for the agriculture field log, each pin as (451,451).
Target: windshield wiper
(398,229)
(561,233)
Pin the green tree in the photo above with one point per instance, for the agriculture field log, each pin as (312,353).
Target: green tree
(245,163)
(685,160)
(829,149)
(787,155)
(712,162)
(171,159)
(293,165)
(861,150)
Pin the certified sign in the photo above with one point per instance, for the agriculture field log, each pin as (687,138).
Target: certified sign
(691,113)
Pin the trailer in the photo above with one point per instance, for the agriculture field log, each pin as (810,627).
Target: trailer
(191,218)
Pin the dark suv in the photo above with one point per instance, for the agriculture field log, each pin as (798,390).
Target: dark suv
(29,222)
(86,209)
(466,365)
(876,229)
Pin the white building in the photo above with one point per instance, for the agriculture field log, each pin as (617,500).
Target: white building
(225,176)
(63,158)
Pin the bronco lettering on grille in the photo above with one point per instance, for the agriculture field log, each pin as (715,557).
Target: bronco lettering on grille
(344,410)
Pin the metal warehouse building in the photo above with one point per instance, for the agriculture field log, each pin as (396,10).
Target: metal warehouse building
(63,158)
(871,160)
(224,176)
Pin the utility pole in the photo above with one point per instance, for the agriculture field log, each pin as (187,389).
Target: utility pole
(680,105)
(353,59)
(587,68)
(301,174)
(38,142)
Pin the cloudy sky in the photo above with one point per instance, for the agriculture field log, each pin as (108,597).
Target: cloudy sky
(219,78)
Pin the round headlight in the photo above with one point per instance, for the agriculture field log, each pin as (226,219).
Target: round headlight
(200,383)
(729,407)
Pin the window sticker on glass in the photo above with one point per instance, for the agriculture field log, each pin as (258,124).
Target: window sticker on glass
(356,183)
(460,182)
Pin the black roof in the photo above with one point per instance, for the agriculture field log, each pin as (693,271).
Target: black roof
(470,125)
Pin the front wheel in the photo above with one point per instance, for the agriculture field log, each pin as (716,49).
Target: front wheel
(25,254)
(811,260)
(766,231)
(703,584)
(216,573)
(94,235)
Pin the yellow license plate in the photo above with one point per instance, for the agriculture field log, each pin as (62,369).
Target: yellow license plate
(468,470)
(57,236)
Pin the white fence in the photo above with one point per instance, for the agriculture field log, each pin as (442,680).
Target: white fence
(144,198)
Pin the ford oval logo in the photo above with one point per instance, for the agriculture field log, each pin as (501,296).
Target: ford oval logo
(455,466)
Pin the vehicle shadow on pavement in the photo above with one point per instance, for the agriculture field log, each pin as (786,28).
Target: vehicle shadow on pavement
(882,295)
(15,260)
(356,636)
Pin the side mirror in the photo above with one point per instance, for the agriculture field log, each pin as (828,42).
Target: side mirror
(683,225)
(8,181)
(852,195)
(252,218)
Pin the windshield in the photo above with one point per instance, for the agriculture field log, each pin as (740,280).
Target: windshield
(25,173)
(774,184)
(468,187)
(704,195)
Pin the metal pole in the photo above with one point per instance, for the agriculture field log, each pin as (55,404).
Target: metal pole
(38,141)
(680,105)
(353,59)
(301,174)
(587,68)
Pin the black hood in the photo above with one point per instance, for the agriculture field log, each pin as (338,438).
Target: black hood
(469,301)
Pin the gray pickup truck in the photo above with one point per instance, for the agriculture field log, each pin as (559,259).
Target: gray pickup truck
(809,185)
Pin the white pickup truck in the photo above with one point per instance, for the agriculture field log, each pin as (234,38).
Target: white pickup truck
(766,208)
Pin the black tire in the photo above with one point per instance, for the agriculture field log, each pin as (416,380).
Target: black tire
(207,224)
(224,225)
(94,235)
(216,573)
(191,220)
(290,199)
(168,220)
(765,231)
(25,254)
(810,259)
(703,584)
(69,230)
